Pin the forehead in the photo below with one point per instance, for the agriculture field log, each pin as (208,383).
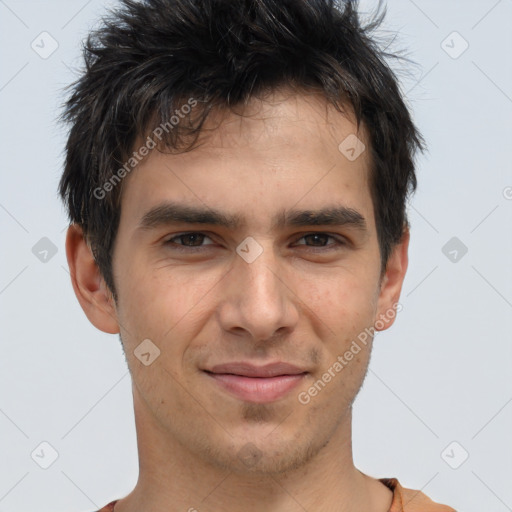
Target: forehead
(283,151)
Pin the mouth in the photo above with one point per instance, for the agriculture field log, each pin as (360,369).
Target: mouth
(258,384)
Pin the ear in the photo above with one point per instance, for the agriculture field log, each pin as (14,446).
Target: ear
(90,288)
(391,284)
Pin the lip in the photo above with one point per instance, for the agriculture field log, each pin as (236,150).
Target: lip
(257,384)
(251,370)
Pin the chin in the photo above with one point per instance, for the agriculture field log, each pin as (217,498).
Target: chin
(262,455)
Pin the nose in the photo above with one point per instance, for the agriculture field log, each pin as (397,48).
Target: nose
(258,298)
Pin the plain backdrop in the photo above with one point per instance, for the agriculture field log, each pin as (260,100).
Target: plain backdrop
(435,410)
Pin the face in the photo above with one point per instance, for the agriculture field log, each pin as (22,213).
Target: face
(254,309)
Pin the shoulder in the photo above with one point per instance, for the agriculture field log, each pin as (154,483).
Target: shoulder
(409,500)
(109,507)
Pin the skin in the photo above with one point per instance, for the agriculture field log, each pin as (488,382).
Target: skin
(302,301)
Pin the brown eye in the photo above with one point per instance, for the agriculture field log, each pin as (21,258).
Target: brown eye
(320,240)
(188,240)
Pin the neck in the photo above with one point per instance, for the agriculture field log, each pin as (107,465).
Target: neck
(172,479)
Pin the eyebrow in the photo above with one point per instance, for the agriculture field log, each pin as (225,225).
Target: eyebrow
(173,212)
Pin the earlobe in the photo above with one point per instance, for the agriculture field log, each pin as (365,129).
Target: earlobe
(88,283)
(389,296)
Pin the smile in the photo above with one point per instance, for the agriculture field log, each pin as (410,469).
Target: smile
(257,389)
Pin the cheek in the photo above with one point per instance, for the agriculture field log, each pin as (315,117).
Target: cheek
(166,304)
(344,301)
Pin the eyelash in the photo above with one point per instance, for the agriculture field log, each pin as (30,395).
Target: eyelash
(179,247)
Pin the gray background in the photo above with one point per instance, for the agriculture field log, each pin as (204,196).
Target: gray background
(440,374)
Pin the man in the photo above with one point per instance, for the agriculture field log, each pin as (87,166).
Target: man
(236,176)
